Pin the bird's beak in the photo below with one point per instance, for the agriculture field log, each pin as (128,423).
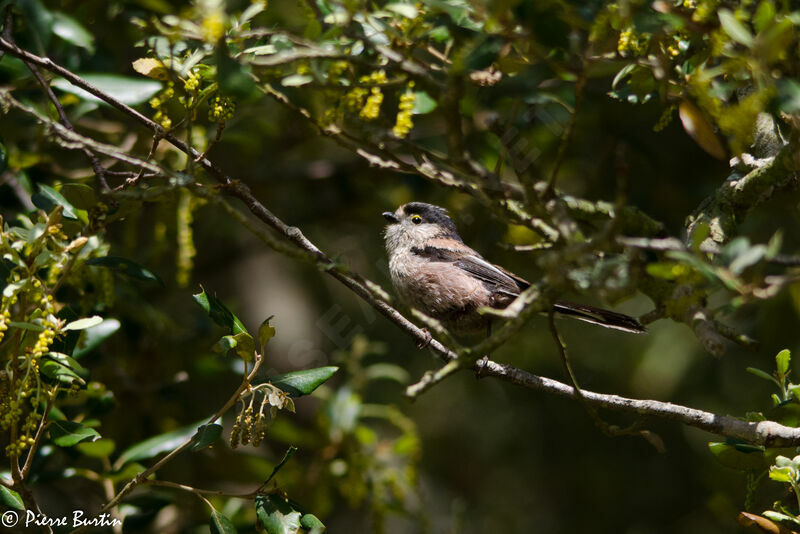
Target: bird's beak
(389,216)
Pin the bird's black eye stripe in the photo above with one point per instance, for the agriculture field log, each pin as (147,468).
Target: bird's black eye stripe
(416,219)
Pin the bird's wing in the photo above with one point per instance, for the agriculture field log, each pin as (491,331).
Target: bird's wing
(496,279)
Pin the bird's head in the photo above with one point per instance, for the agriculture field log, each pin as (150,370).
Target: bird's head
(413,224)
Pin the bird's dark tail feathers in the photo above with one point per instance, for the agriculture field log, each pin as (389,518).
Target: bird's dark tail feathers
(590,314)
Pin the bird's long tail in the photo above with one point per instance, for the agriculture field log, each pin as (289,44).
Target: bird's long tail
(590,314)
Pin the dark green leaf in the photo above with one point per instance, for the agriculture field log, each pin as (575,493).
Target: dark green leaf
(81,196)
(59,372)
(205,436)
(126,267)
(48,198)
(128,471)
(299,383)
(219,313)
(276,515)
(158,444)
(311,522)
(289,453)
(94,336)
(11,499)
(130,91)
(234,78)
(71,31)
(40,21)
(220,524)
(69,433)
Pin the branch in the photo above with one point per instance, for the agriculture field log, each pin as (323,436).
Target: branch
(764,432)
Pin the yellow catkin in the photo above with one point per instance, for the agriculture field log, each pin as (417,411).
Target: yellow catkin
(186,250)
(404,124)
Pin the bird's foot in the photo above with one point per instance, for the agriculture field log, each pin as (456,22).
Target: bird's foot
(425,342)
(480,366)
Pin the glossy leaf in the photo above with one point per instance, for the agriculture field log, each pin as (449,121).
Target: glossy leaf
(158,444)
(299,383)
(423,103)
(72,31)
(83,324)
(743,460)
(69,433)
(11,499)
(276,515)
(126,267)
(93,336)
(59,372)
(206,435)
(312,522)
(219,313)
(130,91)
(762,374)
(220,524)
(48,198)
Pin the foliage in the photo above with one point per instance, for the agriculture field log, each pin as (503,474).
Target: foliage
(535,113)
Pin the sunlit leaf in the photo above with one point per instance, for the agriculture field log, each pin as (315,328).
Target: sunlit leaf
(47,198)
(220,524)
(69,433)
(83,324)
(276,515)
(72,31)
(94,336)
(102,448)
(734,28)
(219,313)
(299,383)
(782,360)
(130,91)
(11,499)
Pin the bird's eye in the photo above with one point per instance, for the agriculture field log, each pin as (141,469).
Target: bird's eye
(416,219)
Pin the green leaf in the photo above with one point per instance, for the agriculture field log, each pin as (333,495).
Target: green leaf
(276,515)
(782,359)
(81,196)
(699,234)
(762,374)
(299,383)
(265,333)
(286,457)
(245,346)
(743,460)
(782,474)
(126,267)
(11,499)
(71,31)
(205,436)
(48,198)
(735,29)
(158,444)
(749,257)
(94,336)
(219,313)
(387,371)
(225,344)
(128,471)
(69,433)
(220,524)
(40,21)
(83,324)
(102,448)
(311,522)
(129,91)
(60,372)
(423,103)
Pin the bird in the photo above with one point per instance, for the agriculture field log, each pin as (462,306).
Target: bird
(435,272)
